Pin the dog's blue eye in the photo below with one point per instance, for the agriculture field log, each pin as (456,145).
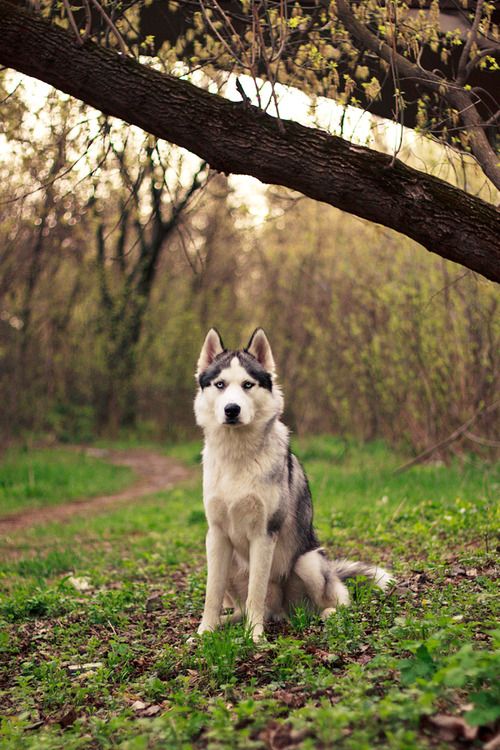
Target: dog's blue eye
(219,384)
(247,385)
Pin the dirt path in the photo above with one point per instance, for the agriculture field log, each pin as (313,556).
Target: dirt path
(153,471)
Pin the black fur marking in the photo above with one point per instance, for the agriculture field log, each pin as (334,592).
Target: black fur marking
(220,338)
(276,521)
(255,370)
(275,473)
(220,363)
(290,467)
(307,539)
(247,361)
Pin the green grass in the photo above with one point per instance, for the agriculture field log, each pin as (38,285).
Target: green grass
(373,676)
(35,478)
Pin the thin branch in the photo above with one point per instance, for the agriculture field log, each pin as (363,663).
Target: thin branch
(477,57)
(461,76)
(481,440)
(493,119)
(112,26)
(455,435)
(455,95)
(72,22)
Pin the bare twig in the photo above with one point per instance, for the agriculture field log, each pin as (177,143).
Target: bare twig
(454,94)
(477,57)
(481,440)
(112,26)
(461,76)
(72,22)
(455,435)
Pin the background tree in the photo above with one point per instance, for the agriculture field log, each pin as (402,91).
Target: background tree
(149,207)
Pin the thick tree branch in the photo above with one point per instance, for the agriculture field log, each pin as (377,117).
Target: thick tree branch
(235,138)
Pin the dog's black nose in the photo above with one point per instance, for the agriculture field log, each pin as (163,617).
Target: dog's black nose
(231,411)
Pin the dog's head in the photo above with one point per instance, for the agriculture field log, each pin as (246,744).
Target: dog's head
(237,388)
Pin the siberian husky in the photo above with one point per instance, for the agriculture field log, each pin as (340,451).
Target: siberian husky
(263,554)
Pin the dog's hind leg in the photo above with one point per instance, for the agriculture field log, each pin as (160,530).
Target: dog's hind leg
(232,600)
(233,617)
(325,589)
(274,603)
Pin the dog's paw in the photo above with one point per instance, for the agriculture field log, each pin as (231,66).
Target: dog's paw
(328,612)
(232,617)
(258,635)
(206,625)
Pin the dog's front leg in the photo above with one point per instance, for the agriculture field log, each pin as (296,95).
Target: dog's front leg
(261,558)
(219,552)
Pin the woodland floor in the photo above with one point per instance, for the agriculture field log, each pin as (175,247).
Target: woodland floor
(100,596)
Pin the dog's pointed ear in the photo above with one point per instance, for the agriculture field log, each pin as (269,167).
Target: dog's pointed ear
(212,346)
(260,348)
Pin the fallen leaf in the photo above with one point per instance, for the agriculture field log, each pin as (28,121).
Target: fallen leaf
(138,706)
(66,718)
(152,711)
(293,700)
(277,736)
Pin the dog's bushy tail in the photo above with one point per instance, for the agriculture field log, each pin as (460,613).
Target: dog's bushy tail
(350,569)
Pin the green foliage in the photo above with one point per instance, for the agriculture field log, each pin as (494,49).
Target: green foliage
(30,601)
(468,668)
(72,423)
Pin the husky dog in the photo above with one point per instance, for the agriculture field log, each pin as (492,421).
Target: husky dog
(263,554)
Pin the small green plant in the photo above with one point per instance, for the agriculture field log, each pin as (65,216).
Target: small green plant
(344,631)
(220,651)
(302,617)
(290,660)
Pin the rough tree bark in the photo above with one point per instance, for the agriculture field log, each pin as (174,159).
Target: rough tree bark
(240,139)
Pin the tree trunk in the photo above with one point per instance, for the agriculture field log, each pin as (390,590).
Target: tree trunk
(241,139)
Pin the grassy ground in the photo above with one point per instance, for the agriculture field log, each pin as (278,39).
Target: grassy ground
(31,479)
(96,616)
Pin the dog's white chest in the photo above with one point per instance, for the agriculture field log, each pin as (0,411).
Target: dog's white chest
(237,499)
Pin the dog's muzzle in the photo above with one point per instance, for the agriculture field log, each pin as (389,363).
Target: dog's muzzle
(232,412)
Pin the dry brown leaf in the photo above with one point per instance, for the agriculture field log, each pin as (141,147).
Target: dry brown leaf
(279,736)
(152,710)
(66,717)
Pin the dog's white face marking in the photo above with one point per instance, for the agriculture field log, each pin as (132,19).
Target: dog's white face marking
(237,389)
(234,398)
(232,390)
